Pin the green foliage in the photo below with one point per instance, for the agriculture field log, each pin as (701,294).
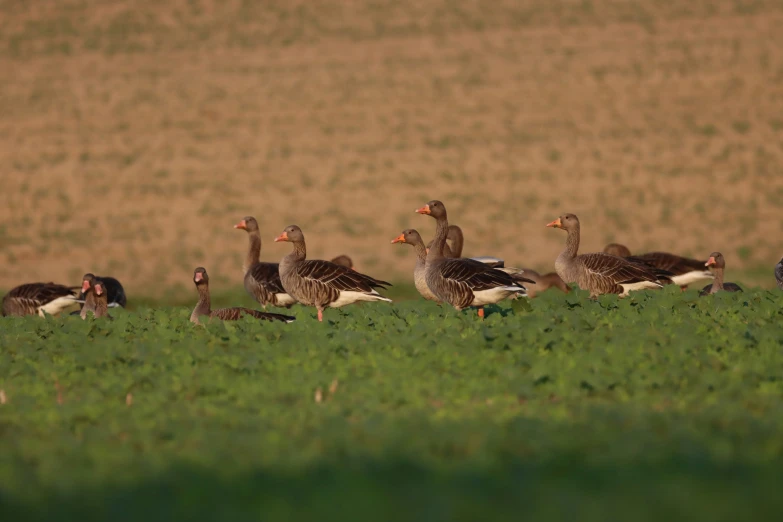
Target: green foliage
(661,406)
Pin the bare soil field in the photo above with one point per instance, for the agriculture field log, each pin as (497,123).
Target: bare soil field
(135,134)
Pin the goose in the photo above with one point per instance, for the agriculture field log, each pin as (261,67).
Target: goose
(685,270)
(544,282)
(343,260)
(457,239)
(600,273)
(115,293)
(779,273)
(38,298)
(95,296)
(464,282)
(262,280)
(322,283)
(204,305)
(412,237)
(718,264)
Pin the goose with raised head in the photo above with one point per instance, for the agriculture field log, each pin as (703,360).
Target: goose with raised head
(718,265)
(779,273)
(320,283)
(261,279)
(464,282)
(412,237)
(600,273)
(95,294)
(204,305)
(115,293)
(39,298)
(685,270)
(544,282)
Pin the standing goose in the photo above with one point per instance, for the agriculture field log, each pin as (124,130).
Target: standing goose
(411,237)
(684,269)
(464,282)
(779,273)
(204,305)
(600,273)
(262,280)
(95,297)
(545,282)
(38,298)
(718,264)
(322,283)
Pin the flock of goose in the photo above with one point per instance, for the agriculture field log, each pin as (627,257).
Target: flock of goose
(440,274)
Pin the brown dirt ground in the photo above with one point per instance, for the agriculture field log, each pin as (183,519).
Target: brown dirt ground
(135,134)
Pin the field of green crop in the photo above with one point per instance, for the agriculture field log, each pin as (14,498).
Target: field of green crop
(663,406)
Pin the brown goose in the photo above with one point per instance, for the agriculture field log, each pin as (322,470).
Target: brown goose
(600,273)
(343,260)
(321,283)
(95,297)
(779,274)
(684,269)
(545,282)
(204,305)
(262,280)
(412,237)
(464,282)
(39,298)
(718,264)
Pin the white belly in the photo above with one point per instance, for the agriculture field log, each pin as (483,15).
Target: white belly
(639,286)
(284,299)
(494,295)
(347,298)
(57,306)
(692,277)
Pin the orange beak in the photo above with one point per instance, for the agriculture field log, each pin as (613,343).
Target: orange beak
(423,210)
(556,223)
(99,289)
(198,277)
(710,262)
(282,237)
(85,286)
(399,239)
(242,225)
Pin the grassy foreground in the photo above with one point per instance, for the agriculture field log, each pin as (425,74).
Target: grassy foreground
(664,406)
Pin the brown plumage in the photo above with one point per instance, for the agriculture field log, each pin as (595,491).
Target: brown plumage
(321,283)
(262,280)
(718,264)
(684,270)
(464,282)
(600,273)
(412,237)
(204,305)
(95,297)
(779,274)
(343,260)
(544,282)
(38,298)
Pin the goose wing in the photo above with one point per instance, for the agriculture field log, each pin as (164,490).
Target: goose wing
(267,277)
(337,277)
(617,269)
(237,312)
(675,264)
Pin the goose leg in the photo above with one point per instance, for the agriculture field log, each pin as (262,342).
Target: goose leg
(684,287)
(481,312)
(320,315)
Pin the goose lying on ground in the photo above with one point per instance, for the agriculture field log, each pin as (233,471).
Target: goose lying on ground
(600,273)
(322,283)
(95,297)
(204,305)
(464,282)
(262,280)
(718,264)
(39,298)
(684,270)
(544,282)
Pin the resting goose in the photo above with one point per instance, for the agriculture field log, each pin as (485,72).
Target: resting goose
(262,280)
(718,264)
(600,273)
(38,298)
(343,260)
(115,293)
(95,297)
(684,269)
(779,273)
(464,282)
(204,305)
(411,237)
(322,283)
(544,282)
